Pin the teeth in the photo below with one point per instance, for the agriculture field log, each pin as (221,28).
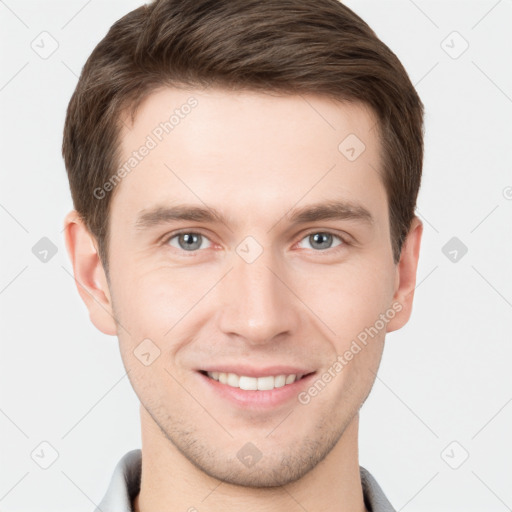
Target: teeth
(280,381)
(254,383)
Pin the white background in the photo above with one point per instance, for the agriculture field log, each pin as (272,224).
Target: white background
(444,377)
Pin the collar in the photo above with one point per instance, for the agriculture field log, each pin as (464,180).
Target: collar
(125,485)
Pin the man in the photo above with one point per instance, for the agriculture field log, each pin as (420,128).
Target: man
(244,177)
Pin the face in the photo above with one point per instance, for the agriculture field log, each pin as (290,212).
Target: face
(250,239)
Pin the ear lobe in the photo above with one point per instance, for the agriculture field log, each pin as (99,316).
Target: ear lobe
(406,276)
(88,272)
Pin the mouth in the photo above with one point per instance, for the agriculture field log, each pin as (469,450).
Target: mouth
(248,383)
(253,392)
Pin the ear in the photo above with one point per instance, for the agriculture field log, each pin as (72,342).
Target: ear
(405,281)
(90,277)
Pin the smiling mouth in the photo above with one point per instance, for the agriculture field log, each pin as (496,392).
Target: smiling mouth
(266,383)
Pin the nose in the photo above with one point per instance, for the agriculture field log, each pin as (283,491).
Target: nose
(257,304)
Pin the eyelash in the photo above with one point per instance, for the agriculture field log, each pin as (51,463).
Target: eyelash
(331,250)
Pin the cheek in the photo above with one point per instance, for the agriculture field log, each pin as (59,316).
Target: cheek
(347,298)
(152,302)
(150,308)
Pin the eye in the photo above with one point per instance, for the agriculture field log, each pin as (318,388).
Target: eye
(322,240)
(187,240)
(191,241)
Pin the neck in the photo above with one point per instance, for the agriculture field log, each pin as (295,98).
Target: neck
(169,481)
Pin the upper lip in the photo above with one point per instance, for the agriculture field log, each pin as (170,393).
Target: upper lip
(251,371)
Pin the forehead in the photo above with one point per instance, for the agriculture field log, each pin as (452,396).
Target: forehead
(249,152)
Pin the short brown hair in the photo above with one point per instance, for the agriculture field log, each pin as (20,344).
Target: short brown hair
(287,46)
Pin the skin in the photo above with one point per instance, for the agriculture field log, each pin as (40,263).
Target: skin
(254,157)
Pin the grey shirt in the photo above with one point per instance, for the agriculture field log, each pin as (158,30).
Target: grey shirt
(125,485)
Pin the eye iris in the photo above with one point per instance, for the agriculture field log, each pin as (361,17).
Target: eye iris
(317,238)
(192,241)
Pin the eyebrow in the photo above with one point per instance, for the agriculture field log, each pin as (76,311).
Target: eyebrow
(330,210)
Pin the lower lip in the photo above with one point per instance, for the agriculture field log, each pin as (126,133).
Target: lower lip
(256,398)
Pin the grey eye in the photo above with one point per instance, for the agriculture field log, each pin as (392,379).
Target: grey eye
(321,240)
(188,241)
